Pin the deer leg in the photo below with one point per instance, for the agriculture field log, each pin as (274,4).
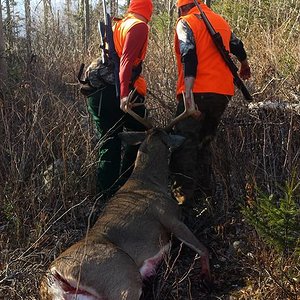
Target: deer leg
(127,284)
(184,234)
(122,280)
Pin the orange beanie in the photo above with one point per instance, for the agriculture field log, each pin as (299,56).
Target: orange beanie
(141,7)
(185,2)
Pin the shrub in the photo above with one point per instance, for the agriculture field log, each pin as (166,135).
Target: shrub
(276,218)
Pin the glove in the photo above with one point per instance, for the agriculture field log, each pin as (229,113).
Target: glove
(245,72)
(123,104)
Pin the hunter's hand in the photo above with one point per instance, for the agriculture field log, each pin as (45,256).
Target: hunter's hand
(245,72)
(191,106)
(123,104)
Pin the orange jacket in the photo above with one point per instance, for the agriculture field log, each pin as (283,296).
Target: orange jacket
(120,30)
(213,75)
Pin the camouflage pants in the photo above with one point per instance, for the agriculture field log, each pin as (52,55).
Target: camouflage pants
(113,168)
(191,164)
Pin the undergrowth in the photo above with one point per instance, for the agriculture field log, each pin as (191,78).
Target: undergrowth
(48,160)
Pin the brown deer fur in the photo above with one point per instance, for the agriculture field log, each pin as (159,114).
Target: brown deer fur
(129,238)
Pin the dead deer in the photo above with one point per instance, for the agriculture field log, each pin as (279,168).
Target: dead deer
(131,235)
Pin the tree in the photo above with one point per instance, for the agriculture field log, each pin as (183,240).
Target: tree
(9,25)
(86,23)
(47,13)
(28,26)
(3,63)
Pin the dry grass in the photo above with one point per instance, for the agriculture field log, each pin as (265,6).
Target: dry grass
(39,220)
(44,126)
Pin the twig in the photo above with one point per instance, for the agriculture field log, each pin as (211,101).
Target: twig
(265,87)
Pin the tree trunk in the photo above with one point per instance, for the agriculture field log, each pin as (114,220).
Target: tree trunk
(28,26)
(47,15)
(82,21)
(9,25)
(68,15)
(86,23)
(3,63)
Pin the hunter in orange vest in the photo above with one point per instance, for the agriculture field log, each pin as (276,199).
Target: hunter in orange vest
(130,36)
(207,83)
(121,29)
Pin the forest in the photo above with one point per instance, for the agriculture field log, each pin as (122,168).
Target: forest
(48,148)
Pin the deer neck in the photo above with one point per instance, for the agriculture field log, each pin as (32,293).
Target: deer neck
(152,169)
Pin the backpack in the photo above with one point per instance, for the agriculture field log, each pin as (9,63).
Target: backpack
(98,75)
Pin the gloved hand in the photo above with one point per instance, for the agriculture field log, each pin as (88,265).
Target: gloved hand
(123,104)
(190,104)
(189,97)
(245,72)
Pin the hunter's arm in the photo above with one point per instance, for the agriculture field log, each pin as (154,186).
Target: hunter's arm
(134,43)
(188,54)
(238,50)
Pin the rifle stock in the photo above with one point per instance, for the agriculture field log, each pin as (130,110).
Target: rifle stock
(218,41)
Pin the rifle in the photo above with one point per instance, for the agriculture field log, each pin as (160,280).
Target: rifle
(218,41)
(108,47)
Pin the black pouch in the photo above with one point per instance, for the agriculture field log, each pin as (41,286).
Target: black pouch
(87,90)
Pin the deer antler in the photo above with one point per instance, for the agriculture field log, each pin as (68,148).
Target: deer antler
(188,111)
(131,103)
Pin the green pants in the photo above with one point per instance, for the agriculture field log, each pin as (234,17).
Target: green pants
(113,170)
(191,164)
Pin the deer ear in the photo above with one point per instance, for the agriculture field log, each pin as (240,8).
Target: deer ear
(132,137)
(175,141)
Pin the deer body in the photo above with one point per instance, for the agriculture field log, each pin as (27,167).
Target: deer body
(128,240)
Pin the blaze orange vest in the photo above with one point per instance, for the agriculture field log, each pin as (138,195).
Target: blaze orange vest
(213,75)
(120,30)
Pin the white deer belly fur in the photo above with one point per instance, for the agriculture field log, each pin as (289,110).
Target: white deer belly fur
(149,266)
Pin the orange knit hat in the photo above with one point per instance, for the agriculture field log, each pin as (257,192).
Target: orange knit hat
(185,2)
(141,7)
